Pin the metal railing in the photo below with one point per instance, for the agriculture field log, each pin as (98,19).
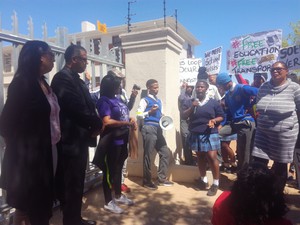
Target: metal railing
(12,41)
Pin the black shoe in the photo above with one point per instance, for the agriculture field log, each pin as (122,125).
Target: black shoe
(225,169)
(165,183)
(88,222)
(202,185)
(150,186)
(212,190)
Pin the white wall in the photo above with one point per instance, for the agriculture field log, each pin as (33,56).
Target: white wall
(155,54)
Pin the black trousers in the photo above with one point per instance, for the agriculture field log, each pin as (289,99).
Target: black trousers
(110,157)
(280,169)
(112,172)
(245,131)
(70,183)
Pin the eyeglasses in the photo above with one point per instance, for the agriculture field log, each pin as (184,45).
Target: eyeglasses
(278,69)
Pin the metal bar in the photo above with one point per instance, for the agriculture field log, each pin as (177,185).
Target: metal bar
(22,40)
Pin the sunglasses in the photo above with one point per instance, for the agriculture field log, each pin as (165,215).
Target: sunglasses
(278,69)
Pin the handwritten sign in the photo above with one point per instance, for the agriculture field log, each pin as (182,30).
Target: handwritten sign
(188,70)
(213,60)
(254,52)
(291,56)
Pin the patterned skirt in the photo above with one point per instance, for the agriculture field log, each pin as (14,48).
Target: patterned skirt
(204,142)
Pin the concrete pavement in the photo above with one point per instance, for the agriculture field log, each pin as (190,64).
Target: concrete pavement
(181,204)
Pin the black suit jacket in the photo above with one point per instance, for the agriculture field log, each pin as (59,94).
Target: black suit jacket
(78,117)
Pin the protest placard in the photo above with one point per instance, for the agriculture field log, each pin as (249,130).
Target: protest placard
(254,52)
(213,60)
(188,70)
(291,56)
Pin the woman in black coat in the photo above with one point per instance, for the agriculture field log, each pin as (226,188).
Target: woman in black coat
(29,124)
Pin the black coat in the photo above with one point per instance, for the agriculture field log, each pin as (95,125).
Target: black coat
(27,168)
(78,117)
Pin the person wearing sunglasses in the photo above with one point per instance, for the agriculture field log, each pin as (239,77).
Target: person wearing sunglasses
(278,103)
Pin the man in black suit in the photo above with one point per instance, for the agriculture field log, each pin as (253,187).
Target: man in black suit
(79,127)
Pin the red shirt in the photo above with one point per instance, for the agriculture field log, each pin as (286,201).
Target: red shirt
(221,213)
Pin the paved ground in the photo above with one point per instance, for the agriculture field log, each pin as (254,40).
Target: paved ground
(181,204)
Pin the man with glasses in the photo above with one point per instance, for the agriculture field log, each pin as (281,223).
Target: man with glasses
(79,126)
(237,102)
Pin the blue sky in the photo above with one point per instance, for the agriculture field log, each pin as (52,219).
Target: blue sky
(212,22)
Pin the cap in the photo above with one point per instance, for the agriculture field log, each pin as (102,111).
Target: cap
(223,78)
(116,72)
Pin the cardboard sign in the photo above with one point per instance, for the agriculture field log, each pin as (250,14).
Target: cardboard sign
(291,56)
(254,52)
(188,70)
(213,60)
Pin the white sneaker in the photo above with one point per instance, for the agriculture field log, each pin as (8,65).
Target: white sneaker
(124,200)
(112,207)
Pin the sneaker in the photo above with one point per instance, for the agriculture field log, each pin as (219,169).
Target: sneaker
(124,200)
(202,185)
(112,207)
(165,183)
(212,190)
(150,186)
(125,188)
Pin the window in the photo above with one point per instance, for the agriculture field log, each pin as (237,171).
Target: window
(7,62)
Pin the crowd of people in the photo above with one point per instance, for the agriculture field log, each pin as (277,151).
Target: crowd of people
(47,144)
(261,117)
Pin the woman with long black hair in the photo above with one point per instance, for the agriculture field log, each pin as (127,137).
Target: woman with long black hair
(30,126)
(113,142)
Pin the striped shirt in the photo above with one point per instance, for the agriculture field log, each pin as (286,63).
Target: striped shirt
(277,122)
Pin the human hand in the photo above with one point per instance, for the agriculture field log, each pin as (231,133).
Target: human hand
(87,75)
(134,93)
(211,123)
(153,109)
(102,128)
(96,133)
(133,123)
(195,102)
(183,85)
(220,127)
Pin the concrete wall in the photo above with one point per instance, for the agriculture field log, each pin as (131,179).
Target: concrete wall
(155,54)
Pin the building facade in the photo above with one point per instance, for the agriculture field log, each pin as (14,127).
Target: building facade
(151,50)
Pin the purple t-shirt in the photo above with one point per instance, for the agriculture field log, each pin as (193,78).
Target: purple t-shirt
(112,107)
(116,109)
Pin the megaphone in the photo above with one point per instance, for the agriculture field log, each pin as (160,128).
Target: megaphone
(166,123)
